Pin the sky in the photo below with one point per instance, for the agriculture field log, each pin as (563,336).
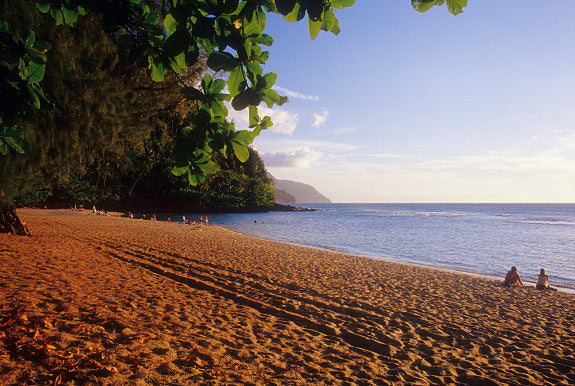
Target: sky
(410,107)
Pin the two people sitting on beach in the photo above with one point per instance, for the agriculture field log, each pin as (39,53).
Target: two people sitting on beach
(513,279)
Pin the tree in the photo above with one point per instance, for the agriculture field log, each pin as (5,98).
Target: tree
(168,36)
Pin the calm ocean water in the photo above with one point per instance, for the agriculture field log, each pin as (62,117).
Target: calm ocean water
(484,239)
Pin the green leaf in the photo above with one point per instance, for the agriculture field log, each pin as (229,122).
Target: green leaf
(69,15)
(236,81)
(266,122)
(456,6)
(42,46)
(314,28)
(192,93)
(257,23)
(158,70)
(3,147)
(33,95)
(3,26)
(241,151)
(206,83)
(341,4)
(264,39)
(245,137)
(177,42)
(246,98)
(254,118)
(44,7)
(56,15)
(422,5)
(170,24)
(31,39)
(285,6)
(217,86)
(178,171)
(36,72)
(178,63)
(219,109)
(254,69)
(297,13)
(330,23)
(271,97)
(209,167)
(14,145)
(270,79)
(195,178)
(225,61)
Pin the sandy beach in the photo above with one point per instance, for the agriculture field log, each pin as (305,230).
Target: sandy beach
(108,300)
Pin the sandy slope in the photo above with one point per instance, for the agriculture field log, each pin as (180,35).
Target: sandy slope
(93,299)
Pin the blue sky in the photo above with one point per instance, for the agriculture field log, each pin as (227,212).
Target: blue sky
(410,107)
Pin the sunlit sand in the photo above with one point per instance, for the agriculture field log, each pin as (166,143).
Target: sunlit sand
(116,300)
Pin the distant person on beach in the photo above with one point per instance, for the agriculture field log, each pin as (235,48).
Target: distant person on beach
(543,281)
(512,278)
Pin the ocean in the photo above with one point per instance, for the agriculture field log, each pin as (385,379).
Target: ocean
(483,239)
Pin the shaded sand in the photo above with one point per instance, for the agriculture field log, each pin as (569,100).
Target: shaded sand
(103,300)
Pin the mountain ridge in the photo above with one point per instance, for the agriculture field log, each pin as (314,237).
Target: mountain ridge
(293,192)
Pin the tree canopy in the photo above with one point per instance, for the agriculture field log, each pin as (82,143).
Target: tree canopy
(167,37)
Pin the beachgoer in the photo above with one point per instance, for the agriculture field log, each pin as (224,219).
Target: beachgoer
(512,278)
(206,220)
(94,211)
(543,281)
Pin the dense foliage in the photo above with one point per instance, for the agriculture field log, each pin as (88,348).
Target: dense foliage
(168,37)
(235,186)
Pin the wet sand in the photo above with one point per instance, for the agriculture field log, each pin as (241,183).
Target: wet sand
(107,300)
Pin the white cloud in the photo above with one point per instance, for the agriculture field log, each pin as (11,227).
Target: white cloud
(285,122)
(295,94)
(304,158)
(320,119)
(240,118)
(266,144)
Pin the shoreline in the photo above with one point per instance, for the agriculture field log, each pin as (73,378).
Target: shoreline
(528,283)
(102,299)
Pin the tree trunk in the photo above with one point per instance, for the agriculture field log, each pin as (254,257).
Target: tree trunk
(10,223)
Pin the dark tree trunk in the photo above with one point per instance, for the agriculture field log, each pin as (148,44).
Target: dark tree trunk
(10,223)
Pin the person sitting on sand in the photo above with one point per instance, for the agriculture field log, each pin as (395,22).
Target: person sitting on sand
(512,278)
(543,281)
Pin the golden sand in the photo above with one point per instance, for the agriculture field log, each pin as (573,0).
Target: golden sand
(107,300)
